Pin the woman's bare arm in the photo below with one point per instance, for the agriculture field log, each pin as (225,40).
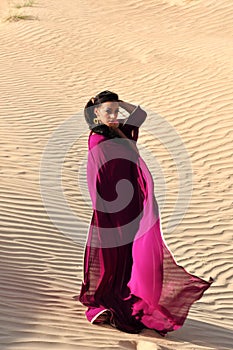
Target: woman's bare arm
(129,107)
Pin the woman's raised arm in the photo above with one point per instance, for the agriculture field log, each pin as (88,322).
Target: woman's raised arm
(129,107)
(136,117)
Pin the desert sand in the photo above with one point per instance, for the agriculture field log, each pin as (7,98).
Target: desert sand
(174,58)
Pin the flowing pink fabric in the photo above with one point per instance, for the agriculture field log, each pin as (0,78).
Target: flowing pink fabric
(128,268)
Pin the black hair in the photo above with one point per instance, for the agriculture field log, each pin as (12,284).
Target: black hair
(104,96)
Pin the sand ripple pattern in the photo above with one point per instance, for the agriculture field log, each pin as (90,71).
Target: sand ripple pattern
(173,57)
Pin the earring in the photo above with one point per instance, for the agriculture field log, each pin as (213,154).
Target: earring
(96,120)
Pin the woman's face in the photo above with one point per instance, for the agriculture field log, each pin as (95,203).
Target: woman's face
(107,112)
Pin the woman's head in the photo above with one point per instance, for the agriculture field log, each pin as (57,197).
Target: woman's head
(102,108)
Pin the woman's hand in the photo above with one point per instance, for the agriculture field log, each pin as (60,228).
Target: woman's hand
(129,107)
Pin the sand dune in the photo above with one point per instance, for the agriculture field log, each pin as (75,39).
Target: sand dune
(174,58)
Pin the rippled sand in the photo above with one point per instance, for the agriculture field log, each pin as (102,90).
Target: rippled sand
(174,58)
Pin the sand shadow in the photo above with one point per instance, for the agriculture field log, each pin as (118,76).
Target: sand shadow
(204,334)
(194,332)
(199,333)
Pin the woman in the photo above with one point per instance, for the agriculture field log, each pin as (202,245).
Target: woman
(131,279)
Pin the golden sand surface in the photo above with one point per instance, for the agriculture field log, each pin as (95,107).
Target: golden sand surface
(174,58)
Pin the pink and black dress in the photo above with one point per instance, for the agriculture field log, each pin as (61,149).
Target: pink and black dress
(128,269)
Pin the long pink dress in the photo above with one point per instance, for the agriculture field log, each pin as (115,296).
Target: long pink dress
(128,268)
